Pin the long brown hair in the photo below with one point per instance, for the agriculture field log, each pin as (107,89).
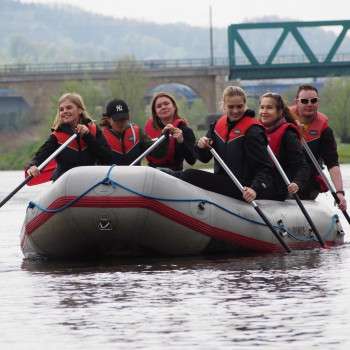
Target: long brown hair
(155,117)
(281,105)
(78,101)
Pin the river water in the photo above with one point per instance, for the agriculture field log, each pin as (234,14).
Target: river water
(295,301)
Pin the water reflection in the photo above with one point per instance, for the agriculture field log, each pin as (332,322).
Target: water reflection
(275,301)
(250,301)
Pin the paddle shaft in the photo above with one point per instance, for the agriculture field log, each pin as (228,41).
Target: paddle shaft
(295,196)
(150,149)
(253,203)
(40,167)
(319,170)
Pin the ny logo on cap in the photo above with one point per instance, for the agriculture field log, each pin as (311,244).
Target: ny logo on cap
(119,108)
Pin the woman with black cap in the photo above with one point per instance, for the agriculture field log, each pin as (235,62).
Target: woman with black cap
(125,138)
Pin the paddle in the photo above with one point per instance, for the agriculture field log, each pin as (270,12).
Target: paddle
(41,166)
(150,149)
(253,203)
(319,170)
(295,196)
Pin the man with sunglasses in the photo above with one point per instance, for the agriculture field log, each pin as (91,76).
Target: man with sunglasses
(320,138)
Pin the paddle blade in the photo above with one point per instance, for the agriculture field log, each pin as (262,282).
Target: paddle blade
(45,174)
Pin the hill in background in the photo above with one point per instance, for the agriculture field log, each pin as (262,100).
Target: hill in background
(43,33)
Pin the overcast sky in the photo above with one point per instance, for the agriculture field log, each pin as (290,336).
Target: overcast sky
(225,12)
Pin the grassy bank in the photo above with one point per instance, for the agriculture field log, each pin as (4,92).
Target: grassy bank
(344,152)
(17,159)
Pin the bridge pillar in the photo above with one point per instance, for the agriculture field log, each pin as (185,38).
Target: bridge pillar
(39,89)
(208,87)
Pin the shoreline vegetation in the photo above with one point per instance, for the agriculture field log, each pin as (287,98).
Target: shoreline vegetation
(17,159)
(20,141)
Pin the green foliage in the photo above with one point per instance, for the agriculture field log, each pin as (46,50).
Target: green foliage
(17,159)
(93,94)
(335,103)
(344,152)
(44,33)
(130,84)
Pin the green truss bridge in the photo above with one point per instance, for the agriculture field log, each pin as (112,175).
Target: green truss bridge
(291,37)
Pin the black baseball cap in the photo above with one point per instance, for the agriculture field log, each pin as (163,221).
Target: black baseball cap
(117,109)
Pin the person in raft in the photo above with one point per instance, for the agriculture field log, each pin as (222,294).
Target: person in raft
(320,139)
(180,144)
(89,148)
(240,141)
(284,139)
(126,139)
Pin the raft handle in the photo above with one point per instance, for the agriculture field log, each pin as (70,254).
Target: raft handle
(281,228)
(201,205)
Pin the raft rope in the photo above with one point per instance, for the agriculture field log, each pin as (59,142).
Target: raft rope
(109,181)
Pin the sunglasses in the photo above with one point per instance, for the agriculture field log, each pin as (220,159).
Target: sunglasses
(305,101)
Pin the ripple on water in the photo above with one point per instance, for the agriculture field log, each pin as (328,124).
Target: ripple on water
(296,301)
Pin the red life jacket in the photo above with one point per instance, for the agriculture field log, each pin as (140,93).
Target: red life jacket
(312,135)
(275,137)
(230,145)
(315,128)
(129,141)
(152,132)
(239,130)
(62,137)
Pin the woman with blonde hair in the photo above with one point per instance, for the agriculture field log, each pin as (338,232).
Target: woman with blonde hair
(88,148)
(240,141)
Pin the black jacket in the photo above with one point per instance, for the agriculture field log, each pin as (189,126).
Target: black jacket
(258,168)
(97,152)
(294,163)
(183,151)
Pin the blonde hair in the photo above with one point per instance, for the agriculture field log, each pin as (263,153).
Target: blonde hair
(231,91)
(75,99)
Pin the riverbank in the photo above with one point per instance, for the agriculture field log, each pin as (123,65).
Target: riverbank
(18,158)
(344,152)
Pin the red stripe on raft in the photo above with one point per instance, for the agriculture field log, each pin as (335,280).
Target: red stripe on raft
(166,211)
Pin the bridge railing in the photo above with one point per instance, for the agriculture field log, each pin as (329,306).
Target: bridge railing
(76,67)
(148,65)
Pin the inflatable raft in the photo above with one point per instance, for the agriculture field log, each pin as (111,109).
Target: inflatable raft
(102,211)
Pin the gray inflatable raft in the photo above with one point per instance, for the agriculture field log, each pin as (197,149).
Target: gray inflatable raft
(131,211)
